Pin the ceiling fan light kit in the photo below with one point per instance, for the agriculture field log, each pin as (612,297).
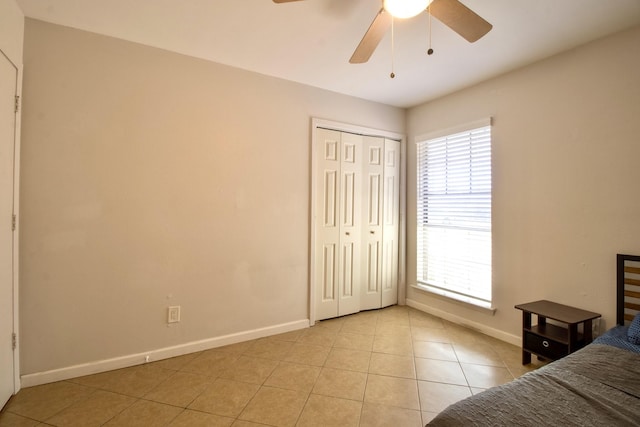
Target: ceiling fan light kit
(405,8)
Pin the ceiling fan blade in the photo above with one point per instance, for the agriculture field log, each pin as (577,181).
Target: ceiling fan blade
(284,1)
(460,19)
(372,37)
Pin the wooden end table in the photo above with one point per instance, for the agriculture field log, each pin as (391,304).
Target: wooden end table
(549,341)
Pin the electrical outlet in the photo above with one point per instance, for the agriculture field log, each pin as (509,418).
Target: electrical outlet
(173,314)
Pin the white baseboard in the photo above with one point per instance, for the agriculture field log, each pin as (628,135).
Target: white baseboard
(495,333)
(90,368)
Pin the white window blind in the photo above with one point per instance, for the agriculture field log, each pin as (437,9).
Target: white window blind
(454,215)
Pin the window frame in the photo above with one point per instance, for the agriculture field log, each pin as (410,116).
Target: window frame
(421,283)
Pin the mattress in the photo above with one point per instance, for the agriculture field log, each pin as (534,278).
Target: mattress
(598,385)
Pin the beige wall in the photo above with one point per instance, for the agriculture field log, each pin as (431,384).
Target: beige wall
(152,179)
(566,147)
(11,30)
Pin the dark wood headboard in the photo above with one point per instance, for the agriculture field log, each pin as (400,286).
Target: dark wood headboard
(628,288)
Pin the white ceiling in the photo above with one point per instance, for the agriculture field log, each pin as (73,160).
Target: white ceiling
(311,41)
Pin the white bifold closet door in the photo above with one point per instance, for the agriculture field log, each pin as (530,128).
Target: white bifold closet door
(356,223)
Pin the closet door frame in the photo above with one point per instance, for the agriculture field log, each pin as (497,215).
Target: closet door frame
(361,130)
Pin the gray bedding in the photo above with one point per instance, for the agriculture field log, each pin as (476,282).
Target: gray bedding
(596,386)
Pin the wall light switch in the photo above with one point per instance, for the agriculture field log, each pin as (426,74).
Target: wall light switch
(173,314)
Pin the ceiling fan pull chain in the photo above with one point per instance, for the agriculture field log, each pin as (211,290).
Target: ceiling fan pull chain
(392,75)
(429,51)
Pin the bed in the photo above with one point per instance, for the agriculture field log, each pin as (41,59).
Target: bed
(598,385)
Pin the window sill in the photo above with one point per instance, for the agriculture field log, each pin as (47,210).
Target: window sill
(466,302)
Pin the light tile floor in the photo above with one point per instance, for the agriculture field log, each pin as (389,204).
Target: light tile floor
(391,367)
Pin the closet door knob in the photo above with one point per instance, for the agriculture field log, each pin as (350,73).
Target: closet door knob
(347,233)
(372,232)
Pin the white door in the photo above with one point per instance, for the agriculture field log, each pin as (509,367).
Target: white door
(356,222)
(372,208)
(8,85)
(390,222)
(337,216)
(350,269)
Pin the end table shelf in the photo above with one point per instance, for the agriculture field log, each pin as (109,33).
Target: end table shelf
(551,341)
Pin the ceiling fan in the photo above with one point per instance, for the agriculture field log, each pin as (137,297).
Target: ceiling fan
(452,13)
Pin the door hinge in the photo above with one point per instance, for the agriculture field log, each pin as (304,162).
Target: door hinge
(17,104)
(13,222)
(14,341)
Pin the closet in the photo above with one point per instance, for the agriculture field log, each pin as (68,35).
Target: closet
(356,222)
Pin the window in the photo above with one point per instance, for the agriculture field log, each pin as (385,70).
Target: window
(454,215)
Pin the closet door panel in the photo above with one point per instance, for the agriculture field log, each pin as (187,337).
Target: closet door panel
(350,225)
(391,222)
(327,223)
(372,229)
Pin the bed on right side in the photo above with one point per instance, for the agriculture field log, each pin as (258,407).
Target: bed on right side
(598,385)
